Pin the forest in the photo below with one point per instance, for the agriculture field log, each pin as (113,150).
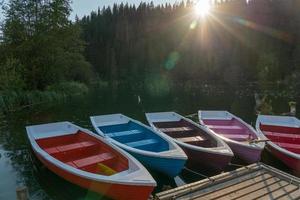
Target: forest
(239,43)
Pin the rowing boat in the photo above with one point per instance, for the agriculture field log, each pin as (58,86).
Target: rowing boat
(242,138)
(204,149)
(150,147)
(85,159)
(283,135)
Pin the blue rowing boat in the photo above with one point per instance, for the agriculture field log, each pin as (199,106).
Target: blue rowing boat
(155,150)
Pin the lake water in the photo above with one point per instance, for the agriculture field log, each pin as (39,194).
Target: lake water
(18,167)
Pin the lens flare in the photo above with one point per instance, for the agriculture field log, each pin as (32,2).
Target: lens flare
(203,8)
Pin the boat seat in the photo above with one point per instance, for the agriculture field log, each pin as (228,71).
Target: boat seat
(84,162)
(288,145)
(286,135)
(69,147)
(141,143)
(105,170)
(236,136)
(176,129)
(124,133)
(190,139)
(224,127)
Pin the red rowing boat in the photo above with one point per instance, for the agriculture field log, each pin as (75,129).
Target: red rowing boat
(89,161)
(283,134)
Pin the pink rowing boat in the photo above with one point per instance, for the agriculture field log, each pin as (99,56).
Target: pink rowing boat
(243,140)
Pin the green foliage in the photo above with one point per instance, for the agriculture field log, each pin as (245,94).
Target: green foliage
(12,100)
(40,49)
(268,69)
(293,82)
(10,76)
(46,43)
(241,43)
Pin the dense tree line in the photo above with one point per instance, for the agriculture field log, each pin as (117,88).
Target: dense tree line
(40,46)
(240,41)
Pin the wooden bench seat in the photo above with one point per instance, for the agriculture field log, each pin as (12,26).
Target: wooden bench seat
(224,127)
(91,160)
(124,133)
(176,129)
(69,147)
(288,145)
(236,136)
(141,143)
(190,139)
(285,135)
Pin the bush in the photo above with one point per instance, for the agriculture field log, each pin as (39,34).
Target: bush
(10,76)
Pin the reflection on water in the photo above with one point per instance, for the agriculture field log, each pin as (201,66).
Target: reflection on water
(8,176)
(16,160)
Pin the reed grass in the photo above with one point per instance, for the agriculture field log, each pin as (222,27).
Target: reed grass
(14,100)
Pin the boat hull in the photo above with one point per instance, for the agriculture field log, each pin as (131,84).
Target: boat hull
(114,191)
(168,166)
(245,153)
(289,161)
(198,160)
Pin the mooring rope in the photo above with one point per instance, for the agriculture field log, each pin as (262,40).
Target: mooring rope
(199,174)
(191,115)
(238,165)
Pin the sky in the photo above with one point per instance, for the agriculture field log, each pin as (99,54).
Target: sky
(84,7)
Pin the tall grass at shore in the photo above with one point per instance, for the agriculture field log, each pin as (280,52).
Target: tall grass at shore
(14,100)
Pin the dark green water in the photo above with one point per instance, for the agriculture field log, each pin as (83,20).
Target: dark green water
(18,167)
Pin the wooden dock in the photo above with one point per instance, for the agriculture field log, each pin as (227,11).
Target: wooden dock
(256,181)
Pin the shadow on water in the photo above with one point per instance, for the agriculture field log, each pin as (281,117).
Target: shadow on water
(15,155)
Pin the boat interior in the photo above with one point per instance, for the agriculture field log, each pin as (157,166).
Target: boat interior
(136,136)
(285,137)
(186,132)
(84,152)
(232,129)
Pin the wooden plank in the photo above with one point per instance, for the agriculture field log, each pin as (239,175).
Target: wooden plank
(258,181)
(235,184)
(283,175)
(239,193)
(290,196)
(176,129)
(190,139)
(186,189)
(225,127)
(279,193)
(268,188)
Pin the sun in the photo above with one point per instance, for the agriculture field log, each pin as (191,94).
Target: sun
(203,8)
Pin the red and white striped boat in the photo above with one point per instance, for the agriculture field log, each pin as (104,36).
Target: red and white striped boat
(283,133)
(89,161)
